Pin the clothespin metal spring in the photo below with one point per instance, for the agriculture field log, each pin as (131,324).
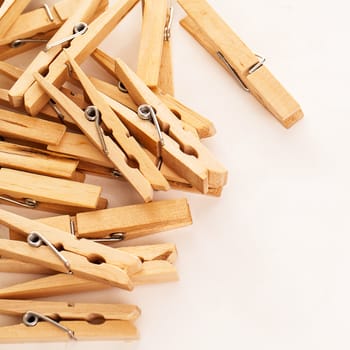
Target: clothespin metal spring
(251,70)
(26,202)
(79,29)
(147,112)
(31,319)
(36,240)
(93,114)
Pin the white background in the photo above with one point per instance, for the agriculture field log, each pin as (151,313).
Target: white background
(265,266)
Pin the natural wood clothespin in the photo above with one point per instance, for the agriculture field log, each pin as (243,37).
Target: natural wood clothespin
(81,47)
(59,321)
(206,26)
(152,40)
(76,24)
(48,193)
(203,126)
(181,150)
(140,177)
(83,258)
(10,10)
(157,267)
(38,161)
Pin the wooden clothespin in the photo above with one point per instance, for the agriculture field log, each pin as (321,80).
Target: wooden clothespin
(83,258)
(20,126)
(123,223)
(144,175)
(157,267)
(206,26)
(180,149)
(50,321)
(38,161)
(74,26)
(41,192)
(203,126)
(152,40)
(81,47)
(10,10)
(166,82)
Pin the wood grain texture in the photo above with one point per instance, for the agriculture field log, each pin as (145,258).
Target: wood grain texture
(152,40)
(45,332)
(36,161)
(166,79)
(135,220)
(20,126)
(19,184)
(206,26)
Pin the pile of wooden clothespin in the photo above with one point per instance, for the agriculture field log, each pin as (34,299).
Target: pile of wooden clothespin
(134,129)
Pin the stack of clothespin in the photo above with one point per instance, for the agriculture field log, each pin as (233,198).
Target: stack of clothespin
(134,129)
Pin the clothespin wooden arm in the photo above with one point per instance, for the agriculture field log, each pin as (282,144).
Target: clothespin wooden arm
(10,10)
(152,40)
(206,26)
(81,47)
(71,311)
(45,332)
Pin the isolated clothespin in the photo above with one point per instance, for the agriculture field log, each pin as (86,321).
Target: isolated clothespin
(41,192)
(75,25)
(141,177)
(81,47)
(10,10)
(50,321)
(83,258)
(206,26)
(38,161)
(181,150)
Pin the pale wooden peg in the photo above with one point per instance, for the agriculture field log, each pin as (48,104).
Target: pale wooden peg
(140,93)
(121,134)
(204,126)
(79,146)
(24,127)
(46,189)
(10,10)
(81,47)
(206,26)
(37,161)
(166,81)
(71,311)
(152,40)
(170,152)
(108,146)
(45,332)
(135,220)
(86,11)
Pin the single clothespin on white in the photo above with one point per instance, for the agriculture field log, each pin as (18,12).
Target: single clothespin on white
(209,29)
(49,321)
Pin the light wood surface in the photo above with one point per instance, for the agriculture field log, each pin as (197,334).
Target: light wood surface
(152,40)
(45,332)
(19,184)
(36,161)
(24,127)
(166,79)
